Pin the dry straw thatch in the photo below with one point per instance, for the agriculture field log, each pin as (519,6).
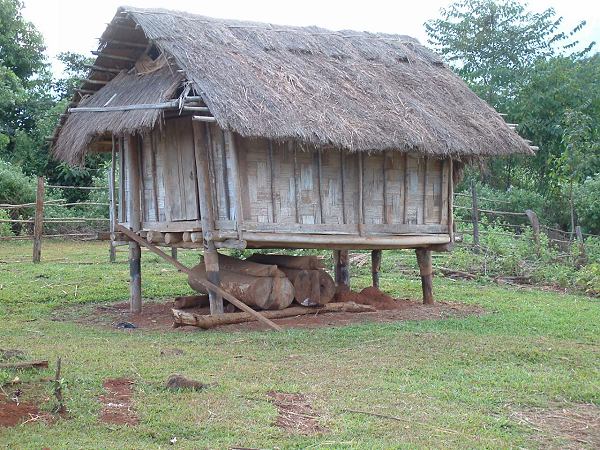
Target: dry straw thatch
(346,89)
(125,89)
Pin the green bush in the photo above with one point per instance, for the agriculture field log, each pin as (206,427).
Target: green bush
(588,279)
(5,229)
(587,204)
(15,186)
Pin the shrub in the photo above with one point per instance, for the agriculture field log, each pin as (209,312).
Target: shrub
(15,186)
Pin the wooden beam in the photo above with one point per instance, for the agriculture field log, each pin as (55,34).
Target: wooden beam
(101,68)
(135,222)
(102,54)
(206,322)
(207,284)
(164,105)
(83,92)
(126,43)
(203,119)
(90,81)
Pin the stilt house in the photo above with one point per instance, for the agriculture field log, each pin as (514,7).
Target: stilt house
(232,134)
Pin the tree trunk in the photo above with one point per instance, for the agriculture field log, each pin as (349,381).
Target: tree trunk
(291,262)
(259,292)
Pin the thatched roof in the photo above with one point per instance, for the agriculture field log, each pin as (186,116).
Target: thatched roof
(127,88)
(355,90)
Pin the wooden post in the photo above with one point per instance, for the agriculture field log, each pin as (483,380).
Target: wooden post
(582,258)
(342,273)
(426,270)
(38,223)
(134,218)
(375,266)
(211,262)
(535,226)
(202,148)
(112,211)
(475,216)
(174,252)
(451,200)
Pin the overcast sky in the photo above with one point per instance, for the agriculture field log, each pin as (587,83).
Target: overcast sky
(74,25)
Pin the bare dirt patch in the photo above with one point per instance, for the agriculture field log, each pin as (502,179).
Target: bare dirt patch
(295,413)
(117,406)
(572,427)
(156,316)
(23,405)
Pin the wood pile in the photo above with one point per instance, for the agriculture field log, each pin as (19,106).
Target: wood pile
(271,282)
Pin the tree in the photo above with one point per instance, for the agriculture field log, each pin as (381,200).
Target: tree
(75,70)
(493,43)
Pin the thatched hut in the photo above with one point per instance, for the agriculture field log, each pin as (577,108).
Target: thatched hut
(234,134)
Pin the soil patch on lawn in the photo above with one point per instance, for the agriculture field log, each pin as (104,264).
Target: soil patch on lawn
(156,316)
(570,427)
(117,406)
(22,403)
(295,413)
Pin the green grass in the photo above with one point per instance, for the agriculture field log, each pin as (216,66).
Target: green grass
(453,383)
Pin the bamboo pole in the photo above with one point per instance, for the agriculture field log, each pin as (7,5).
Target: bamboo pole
(474,215)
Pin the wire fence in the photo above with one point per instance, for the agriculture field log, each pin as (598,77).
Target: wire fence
(573,242)
(102,227)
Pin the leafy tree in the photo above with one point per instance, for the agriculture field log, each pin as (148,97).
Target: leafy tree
(493,43)
(555,87)
(75,71)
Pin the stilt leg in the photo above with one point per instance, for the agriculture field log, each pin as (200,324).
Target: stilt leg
(426,270)
(174,252)
(135,275)
(375,266)
(211,261)
(342,272)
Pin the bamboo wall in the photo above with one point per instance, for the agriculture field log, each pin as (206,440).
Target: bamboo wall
(286,187)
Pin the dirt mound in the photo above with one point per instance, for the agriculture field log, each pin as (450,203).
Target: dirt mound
(295,413)
(370,296)
(117,407)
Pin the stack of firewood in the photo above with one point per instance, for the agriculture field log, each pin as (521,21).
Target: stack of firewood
(272,282)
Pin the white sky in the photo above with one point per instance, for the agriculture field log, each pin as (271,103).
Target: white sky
(73,25)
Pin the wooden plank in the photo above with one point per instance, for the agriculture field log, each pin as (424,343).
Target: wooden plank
(122,183)
(343,184)
(234,181)
(350,229)
(361,201)
(296,193)
(373,188)
(283,183)
(38,364)
(317,154)
(444,201)
(451,199)
(201,149)
(209,285)
(271,182)
(38,223)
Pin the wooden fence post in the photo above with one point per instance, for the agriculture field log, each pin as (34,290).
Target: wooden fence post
(535,226)
(38,223)
(582,257)
(475,216)
(426,270)
(174,252)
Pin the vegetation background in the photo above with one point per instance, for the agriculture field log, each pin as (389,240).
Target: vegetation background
(522,62)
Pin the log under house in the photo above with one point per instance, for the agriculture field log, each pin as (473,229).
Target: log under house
(228,134)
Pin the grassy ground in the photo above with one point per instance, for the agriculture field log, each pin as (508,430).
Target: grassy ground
(453,383)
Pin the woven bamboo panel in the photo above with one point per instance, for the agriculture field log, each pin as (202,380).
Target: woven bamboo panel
(284,190)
